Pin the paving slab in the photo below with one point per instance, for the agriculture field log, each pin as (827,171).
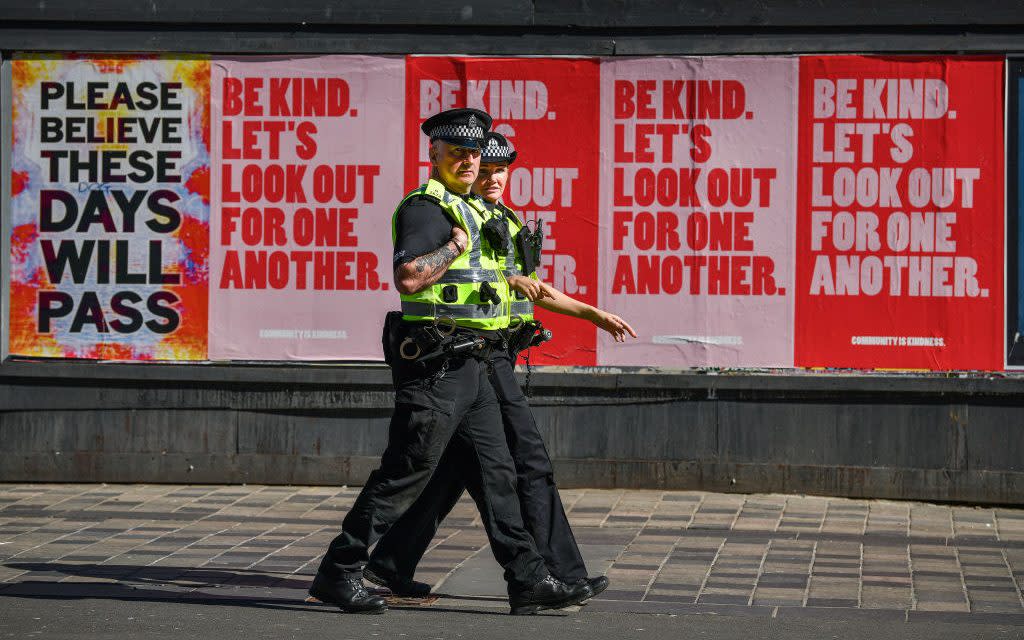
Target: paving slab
(666,552)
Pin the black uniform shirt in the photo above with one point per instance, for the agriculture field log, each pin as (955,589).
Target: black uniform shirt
(421,227)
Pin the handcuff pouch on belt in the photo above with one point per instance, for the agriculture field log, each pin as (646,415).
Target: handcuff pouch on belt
(440,339)
(530,244)
(531,334)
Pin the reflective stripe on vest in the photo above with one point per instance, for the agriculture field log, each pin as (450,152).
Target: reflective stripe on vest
(427,309)
(511,266)
(522,308)
(474,231)
(456,276)
(471,225)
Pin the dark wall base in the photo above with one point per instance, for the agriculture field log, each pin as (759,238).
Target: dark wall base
(929,438)
(854,482)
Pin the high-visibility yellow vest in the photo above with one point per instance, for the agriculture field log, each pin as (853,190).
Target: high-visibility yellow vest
(465,276)
(512,264)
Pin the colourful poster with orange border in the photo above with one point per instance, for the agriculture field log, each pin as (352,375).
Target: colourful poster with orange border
(110,207)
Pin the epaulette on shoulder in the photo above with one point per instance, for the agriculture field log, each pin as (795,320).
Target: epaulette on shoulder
(434,191)
(422,192)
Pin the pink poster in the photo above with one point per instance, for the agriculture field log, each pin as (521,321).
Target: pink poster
(307,171)
(697,215)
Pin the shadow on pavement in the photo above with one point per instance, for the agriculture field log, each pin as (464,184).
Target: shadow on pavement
(210,586)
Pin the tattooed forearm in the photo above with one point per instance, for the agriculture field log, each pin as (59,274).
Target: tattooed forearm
(435,262)
(425,270)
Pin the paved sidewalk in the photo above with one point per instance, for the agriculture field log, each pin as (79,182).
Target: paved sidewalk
(665,552)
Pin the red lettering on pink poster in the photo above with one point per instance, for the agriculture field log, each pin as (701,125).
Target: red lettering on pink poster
(697,210)
(306,171)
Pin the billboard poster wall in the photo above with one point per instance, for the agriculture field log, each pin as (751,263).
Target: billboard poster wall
(548,109)
(697,210)
(900,213)
(307,172)
(110,207)
(740,212)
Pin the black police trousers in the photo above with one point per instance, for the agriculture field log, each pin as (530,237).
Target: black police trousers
(400,550)
(427,414)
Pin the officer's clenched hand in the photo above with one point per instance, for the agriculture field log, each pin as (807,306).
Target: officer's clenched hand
(534,290)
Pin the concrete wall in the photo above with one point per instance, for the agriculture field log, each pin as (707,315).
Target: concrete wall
(908,437)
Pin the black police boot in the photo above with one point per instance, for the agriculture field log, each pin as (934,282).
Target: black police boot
(400,586)
(597,585)
(549,593)
(348,593)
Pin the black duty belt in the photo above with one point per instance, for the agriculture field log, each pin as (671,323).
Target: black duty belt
(439,339)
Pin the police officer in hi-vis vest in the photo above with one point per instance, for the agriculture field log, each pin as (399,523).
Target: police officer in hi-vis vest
(455,304)
(394,560)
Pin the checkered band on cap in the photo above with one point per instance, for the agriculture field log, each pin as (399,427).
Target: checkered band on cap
(457,131)
(495,149)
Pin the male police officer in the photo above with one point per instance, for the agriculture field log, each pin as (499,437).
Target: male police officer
(394,560)
(454,300)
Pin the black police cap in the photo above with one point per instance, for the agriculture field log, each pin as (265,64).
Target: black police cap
(463,127)
(497,148)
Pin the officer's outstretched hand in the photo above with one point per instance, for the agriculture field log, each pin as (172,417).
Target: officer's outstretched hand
(534,290)
(613,324)
(460,237)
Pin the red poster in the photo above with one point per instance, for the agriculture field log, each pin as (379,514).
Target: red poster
(900,213)
(549,109)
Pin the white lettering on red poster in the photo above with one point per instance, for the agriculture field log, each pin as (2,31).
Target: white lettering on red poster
(900,212)
(549,110)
